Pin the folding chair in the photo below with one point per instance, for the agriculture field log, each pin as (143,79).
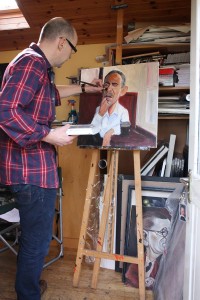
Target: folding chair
(9,229)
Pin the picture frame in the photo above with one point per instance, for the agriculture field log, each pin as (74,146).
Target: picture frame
(154,208)
(125,182)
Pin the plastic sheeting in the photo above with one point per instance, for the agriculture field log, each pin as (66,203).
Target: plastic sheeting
(93,221)
(170,276)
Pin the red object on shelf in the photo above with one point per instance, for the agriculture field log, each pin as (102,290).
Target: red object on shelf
(166,71)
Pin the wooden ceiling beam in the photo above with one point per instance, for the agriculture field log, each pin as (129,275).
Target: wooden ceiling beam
(94,20)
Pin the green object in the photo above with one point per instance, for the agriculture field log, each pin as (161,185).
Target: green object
(146,202)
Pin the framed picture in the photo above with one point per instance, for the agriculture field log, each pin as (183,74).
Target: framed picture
(125,114)
(154,192)
(156,225)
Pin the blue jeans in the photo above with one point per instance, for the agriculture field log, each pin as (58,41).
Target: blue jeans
(36,208)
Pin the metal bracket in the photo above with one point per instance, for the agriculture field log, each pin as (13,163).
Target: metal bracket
(119,6)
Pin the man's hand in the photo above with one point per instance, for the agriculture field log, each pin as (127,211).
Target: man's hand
(75,89)
(94,89)
(107,137)
(59,137)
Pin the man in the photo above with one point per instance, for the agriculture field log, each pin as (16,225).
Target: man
(110,114)
(27,153)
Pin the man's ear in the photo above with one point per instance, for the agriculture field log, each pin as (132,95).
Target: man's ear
(123,90)
(61,44)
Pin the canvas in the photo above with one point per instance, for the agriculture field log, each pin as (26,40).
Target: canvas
(126,112)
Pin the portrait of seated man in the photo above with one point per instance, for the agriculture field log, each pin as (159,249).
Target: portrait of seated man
(110,114)
(124,115)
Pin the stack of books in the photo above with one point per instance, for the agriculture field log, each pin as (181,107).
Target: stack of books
(183,73)
(175,104)
(177,75)
(176,58)
(167,76)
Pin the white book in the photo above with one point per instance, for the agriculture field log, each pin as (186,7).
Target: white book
(153,161)
(170,155)
(173,105)
(184,111)
(173,97)
(163,167)
(82,129)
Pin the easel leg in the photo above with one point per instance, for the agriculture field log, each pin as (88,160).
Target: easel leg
(110,183)
(86,211)
(139,220)
(108,196)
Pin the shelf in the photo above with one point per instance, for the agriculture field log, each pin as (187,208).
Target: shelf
(174,47)
(174,88)
(128,51)
(172,116)
(139,48)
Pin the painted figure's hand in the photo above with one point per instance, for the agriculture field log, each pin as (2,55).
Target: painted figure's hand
(103,107)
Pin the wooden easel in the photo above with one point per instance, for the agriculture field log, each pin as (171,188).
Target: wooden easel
(108,197)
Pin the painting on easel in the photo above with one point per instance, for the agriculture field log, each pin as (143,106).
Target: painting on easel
(125,114)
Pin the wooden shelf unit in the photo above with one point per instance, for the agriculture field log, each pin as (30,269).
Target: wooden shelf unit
(139,48)
(174,123)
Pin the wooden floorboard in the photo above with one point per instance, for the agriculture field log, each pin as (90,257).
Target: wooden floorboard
(59,276)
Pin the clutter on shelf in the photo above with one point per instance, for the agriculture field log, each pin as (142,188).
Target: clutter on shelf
(160,34)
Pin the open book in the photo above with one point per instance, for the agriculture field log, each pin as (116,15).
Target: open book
(82,129)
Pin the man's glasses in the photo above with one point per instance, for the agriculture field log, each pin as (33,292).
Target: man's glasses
(163,232)
(72,46)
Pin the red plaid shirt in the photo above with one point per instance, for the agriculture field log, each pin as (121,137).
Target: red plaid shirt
(26,113)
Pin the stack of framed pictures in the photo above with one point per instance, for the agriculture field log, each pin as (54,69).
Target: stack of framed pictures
(158,214)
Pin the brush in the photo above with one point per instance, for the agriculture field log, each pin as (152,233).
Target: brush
(80,81)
